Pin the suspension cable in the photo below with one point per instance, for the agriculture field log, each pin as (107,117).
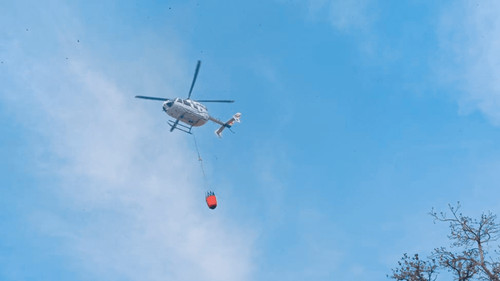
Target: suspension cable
(201,162)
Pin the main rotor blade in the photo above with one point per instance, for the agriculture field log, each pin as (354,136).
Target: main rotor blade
(228,101)
(151,98)
(194,78)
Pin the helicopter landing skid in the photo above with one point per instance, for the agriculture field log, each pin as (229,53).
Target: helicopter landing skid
(180,127)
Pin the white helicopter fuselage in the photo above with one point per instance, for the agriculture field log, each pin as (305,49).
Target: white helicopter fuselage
(191,112)
(188,111)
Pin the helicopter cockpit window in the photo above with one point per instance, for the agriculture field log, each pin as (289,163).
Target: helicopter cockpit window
(187,103)
(178,100)
(195,106)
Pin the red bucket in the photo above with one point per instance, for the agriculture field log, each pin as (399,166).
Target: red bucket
(211,200)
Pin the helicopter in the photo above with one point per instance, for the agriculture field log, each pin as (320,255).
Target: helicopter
(192,112)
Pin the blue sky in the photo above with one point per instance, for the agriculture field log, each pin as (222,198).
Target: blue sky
(358,118)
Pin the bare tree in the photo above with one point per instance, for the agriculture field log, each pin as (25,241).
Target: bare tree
(462,266)
(472,262)
(414,269)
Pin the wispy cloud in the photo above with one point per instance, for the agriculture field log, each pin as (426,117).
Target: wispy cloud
(345,15)
(470,44)
(133,209)
(136,210)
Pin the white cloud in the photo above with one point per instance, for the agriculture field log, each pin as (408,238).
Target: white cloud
(133,199)
(136,203)
(470,41)
(344,15)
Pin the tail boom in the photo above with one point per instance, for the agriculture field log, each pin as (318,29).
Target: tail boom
(228,124)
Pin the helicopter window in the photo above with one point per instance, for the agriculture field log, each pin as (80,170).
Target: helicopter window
(187,103)
(178,100)
(195,106)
